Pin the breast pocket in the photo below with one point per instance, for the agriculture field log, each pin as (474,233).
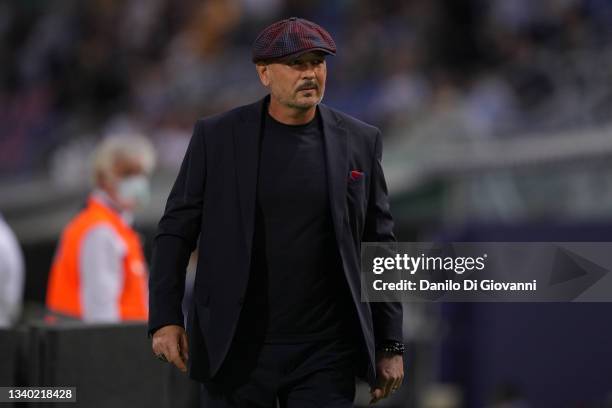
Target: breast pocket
(356,185)
(356,200)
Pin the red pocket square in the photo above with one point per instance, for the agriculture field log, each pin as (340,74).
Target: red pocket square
(356,175)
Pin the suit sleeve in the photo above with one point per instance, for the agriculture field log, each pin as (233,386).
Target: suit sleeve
(177,236)
(387,316)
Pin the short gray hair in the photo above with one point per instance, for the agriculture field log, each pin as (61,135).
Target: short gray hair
(122,146)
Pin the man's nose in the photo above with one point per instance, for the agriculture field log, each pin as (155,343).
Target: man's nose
(308,72)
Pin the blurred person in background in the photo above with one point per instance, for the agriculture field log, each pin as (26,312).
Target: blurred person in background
(277,310)
(12,273)
(99,272)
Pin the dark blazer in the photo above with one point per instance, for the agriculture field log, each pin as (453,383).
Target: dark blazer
(213,199)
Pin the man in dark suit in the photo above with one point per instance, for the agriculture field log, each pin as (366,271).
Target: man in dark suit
(280,194)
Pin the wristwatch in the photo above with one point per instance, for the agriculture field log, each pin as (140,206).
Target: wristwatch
(391,347)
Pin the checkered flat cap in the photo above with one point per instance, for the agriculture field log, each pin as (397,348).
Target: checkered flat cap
(292,36)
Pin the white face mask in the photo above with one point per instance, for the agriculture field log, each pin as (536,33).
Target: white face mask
(135,190)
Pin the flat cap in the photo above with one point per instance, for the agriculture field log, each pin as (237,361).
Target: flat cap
(292,36)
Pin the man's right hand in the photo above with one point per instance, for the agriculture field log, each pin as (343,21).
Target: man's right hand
(171,342)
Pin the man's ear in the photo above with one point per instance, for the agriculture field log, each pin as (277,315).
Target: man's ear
(264,73)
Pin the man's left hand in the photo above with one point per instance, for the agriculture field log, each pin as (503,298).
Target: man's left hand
(389,375)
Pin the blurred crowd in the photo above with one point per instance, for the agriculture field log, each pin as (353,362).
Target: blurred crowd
(73,71)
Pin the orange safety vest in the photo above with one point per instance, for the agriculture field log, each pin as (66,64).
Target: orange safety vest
(63,291)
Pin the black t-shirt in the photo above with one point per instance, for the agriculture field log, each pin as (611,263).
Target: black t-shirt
(297,290)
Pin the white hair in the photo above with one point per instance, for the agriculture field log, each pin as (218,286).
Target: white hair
(122,146)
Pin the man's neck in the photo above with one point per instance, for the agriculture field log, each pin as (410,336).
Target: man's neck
(106,199)
(291,116)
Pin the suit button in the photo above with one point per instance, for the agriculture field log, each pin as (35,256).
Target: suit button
(241,300)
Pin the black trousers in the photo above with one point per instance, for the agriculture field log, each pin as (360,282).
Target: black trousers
(315,374)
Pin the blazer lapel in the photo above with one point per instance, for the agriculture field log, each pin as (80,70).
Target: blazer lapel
(247,136)
(336,159)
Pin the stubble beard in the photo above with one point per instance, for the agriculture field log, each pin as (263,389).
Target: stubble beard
(295,104)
